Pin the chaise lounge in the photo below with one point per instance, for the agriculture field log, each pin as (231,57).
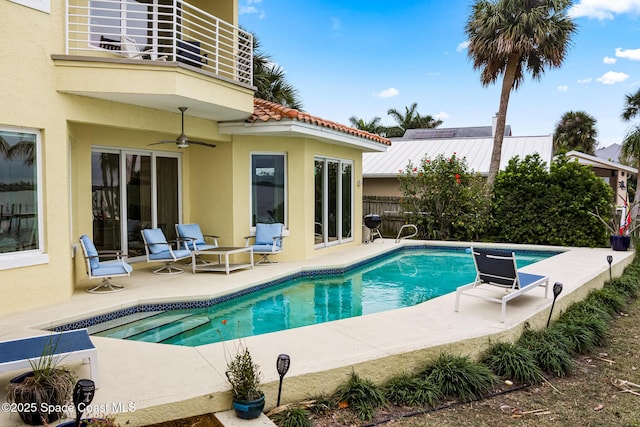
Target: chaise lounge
(498,279)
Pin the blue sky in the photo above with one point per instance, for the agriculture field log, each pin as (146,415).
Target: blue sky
(360,58)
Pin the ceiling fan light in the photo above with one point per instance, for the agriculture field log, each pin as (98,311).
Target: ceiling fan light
(182,142)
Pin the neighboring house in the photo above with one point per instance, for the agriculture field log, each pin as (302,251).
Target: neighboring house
(615,174)
(380,170)
(610,153)
(94,85)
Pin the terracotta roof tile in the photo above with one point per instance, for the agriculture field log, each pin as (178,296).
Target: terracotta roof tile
(264,111)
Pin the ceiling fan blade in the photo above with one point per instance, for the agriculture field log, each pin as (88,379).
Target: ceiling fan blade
(206,144)
(164,141)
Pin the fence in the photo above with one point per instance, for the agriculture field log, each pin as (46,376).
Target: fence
(390,210)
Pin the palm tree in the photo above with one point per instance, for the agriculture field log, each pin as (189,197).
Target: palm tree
(372,126)
(631,143)
(25,150)
(270,80)
(509,37)
(576,130)
(411,119)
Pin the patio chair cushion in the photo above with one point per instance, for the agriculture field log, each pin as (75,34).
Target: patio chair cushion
(265,248)
(193,231)
(111,268)
(266,232)
(166,255)
(92,252)
(156,240)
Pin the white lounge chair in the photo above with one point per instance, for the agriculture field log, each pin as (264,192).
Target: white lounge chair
(66,346)
(498,269)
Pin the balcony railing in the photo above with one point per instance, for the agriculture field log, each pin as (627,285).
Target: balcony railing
(161,30)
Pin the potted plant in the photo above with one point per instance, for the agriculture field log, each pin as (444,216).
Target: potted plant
(40,395)
(243,374)
(620,235)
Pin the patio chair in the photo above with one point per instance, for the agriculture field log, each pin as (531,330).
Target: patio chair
(130,48)
(103,269)
(268,240)
(498,269)
(195,241)
(159,249)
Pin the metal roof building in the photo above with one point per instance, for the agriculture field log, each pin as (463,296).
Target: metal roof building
(476,151)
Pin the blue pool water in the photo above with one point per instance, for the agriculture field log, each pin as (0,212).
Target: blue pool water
(401,279)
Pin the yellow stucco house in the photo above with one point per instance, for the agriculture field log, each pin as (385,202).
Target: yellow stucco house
(89,88)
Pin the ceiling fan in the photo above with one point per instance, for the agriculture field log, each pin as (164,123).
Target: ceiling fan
(182,141)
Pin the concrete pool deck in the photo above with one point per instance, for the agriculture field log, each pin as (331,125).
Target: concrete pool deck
(145,383)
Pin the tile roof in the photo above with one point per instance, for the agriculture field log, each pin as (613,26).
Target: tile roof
(264,111)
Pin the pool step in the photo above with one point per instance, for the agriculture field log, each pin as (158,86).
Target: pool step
(166,332)
(120,321)
(141,326)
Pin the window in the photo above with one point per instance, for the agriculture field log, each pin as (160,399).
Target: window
(21,236)
(268,188)
(333,201)
(113,19)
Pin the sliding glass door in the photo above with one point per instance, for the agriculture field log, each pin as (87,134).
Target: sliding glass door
(132,191)
(333,214)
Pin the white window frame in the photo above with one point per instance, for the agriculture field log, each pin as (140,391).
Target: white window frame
(252,227)
(124,12)
(38,256)
(122,153)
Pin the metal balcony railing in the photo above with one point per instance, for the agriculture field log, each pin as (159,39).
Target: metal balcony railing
(159,30)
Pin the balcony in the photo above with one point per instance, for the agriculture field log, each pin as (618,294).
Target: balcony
(152,31)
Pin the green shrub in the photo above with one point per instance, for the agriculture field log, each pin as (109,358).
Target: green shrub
(626,285)
(459,377)
(457,200)
(609,298)
(361,395)
(322,404)
(512,362)
(587,306)
(412,391)
(580,336)
(596,322)
(550,350)
(292,417)
(539,205)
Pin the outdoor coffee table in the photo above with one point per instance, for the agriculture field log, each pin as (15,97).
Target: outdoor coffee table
(222,251)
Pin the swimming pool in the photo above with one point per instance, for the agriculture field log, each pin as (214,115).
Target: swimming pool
(399,279)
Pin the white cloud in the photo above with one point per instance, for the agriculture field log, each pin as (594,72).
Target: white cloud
(335,23)
(462,46)
(612,77)
(585,81)
(442,115)
(387,93)
(249,8)
(604,9)
(609,60)
(632,54)
(563,88)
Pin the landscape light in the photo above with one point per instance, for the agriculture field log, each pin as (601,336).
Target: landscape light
(83,394)
(282,365)
(609,260)
(557,288)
